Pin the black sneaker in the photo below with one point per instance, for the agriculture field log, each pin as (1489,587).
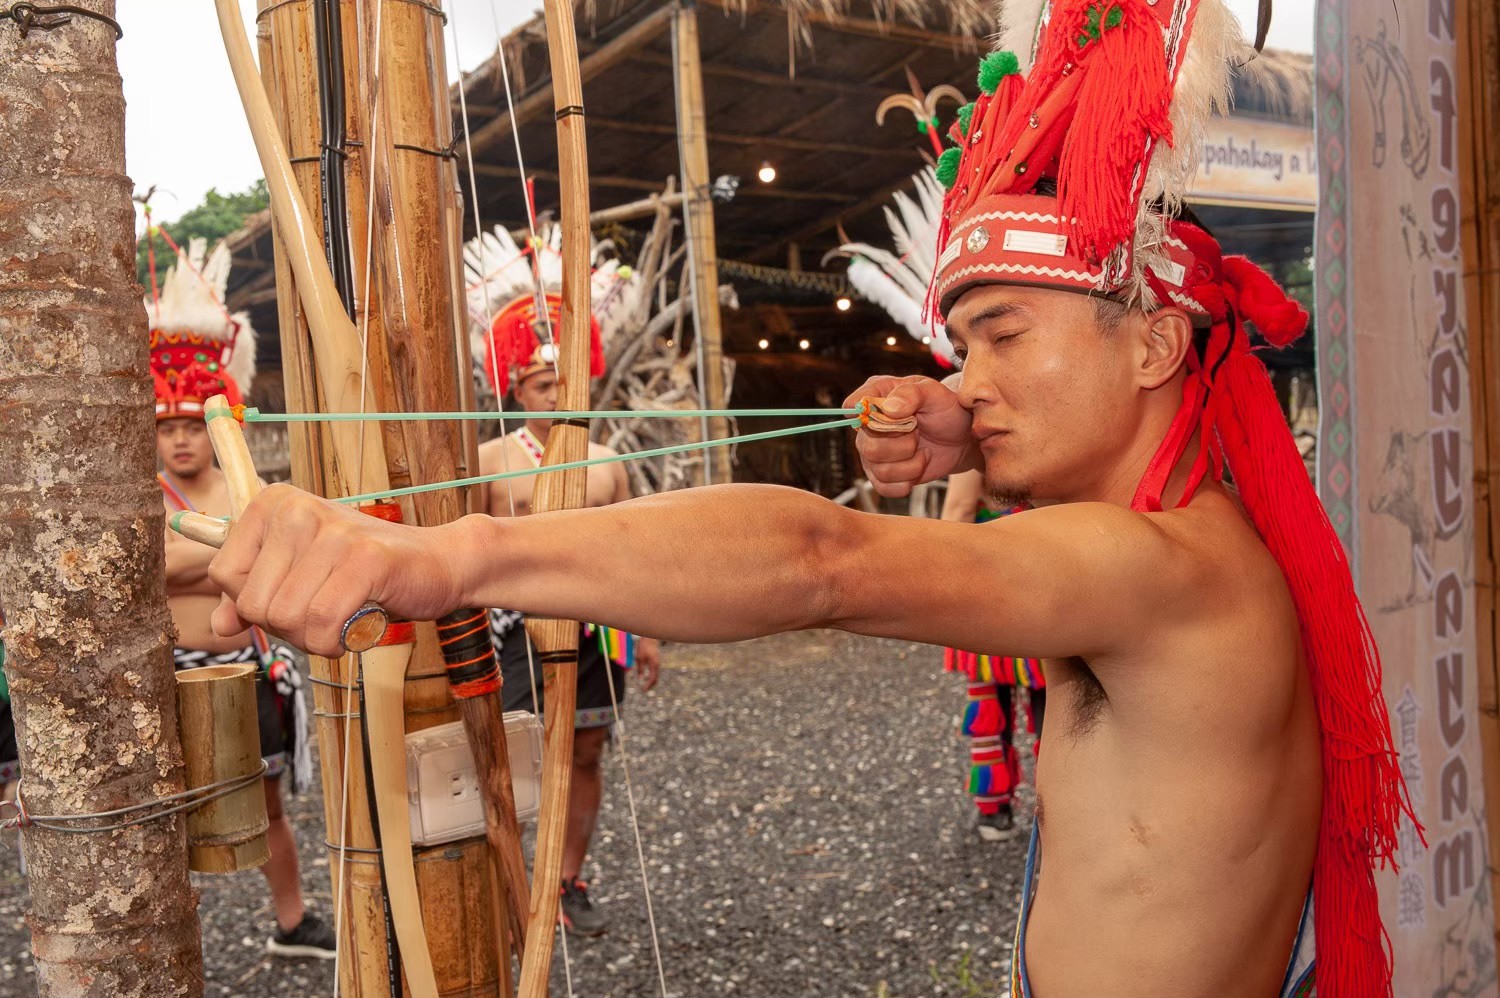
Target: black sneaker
(311,938)
(996,827)
(579,913)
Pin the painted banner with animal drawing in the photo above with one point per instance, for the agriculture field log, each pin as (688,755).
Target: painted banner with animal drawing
(1395,453)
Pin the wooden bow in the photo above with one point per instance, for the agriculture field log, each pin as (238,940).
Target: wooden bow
(336,343)
(557,640)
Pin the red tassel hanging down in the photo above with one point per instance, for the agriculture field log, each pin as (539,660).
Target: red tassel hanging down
(1364,796)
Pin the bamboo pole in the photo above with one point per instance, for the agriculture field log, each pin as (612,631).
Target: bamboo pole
(285,33)
(1479,156)
(221,742)
(557,640)
(703,260)
(405,311)
(415,186)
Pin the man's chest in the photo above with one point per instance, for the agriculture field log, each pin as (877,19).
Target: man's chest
(210,498)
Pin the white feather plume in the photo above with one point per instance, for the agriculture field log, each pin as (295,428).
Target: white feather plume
(1020,29)
(497,271)
(1204,87)
(898,281)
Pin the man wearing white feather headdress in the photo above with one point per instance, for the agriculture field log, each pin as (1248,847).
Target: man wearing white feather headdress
(1219,783)
(199,350)
(519,345)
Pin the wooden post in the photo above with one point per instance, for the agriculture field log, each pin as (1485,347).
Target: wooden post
(698,211)
(287,64)
(1479,159)
(88,637)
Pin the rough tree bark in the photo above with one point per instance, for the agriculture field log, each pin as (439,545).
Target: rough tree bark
(81,567)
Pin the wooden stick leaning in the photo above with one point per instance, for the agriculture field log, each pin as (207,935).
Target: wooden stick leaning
(557,640)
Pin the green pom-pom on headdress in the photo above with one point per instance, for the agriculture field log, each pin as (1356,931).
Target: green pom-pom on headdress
(965,119)
(947,167)
(996,67)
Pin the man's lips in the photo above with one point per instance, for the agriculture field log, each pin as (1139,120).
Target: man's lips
(988,434)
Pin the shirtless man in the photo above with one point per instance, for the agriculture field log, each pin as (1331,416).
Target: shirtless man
(534,382)
(190,480)
(1218,745)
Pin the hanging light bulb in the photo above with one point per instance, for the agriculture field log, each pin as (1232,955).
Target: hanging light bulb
(803,344)
(765,344)
(890,341)
(844,304)
(767,173)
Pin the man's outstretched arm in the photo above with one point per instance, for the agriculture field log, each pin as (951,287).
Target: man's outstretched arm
(716,564)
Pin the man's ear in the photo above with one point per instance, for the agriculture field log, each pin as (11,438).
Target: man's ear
(1166,337)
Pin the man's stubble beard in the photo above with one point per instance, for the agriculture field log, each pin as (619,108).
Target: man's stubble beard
(1007,494)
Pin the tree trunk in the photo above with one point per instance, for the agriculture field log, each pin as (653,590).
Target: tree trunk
(81,566)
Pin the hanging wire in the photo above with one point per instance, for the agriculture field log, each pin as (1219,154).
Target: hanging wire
(640,849)
(353,668)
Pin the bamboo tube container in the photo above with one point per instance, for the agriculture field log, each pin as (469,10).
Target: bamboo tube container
(221,741)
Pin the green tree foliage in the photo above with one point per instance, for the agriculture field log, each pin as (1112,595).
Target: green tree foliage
(218,216)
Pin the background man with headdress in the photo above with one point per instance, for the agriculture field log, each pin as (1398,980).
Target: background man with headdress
(1219,782)
(199,350)
(520,354)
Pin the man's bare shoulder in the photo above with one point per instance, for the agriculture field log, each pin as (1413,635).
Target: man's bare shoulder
(601,450)
(1213,536)
(494,453)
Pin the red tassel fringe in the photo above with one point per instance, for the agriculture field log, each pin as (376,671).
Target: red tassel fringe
(1364,796)
(1123,103)
(982,718)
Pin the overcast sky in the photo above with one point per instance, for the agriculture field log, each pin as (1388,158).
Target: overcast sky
(185,132)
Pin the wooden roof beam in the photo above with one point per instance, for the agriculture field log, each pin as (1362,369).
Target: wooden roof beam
(769,141)
(539,100)
(884,30)
(764,79)
(822,225)
(769,192)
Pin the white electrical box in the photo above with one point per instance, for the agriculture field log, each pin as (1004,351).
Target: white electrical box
(443,788)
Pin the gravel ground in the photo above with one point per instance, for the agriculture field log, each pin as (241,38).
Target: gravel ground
(805,828)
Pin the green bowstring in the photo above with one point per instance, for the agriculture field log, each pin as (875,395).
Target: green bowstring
(746,438)
(252,415)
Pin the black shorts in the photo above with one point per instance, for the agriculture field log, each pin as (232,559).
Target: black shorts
(273,711)
(596,674)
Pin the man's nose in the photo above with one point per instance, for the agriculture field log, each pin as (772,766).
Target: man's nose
(975,386)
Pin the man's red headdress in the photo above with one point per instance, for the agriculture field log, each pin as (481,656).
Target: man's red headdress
(198,350)
(506,282)
(522,342)
(1109,116)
